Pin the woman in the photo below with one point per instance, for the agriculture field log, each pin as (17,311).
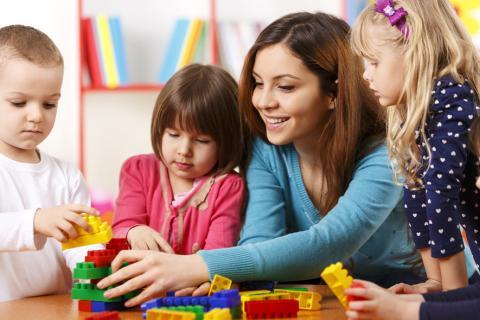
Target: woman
(320,186)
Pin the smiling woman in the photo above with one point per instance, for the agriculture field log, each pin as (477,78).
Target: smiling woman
(319,182)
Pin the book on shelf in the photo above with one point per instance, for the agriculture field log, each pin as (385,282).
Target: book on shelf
(187,44)
(104,51)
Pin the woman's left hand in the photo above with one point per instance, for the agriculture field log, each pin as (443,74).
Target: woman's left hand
(155,272)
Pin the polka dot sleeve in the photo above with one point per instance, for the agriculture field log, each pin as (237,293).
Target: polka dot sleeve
(450,116)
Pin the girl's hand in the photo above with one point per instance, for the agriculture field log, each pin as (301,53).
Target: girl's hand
(379,304)
(59,222)
(201,290)
(145,238)
(425,287)
(155,272)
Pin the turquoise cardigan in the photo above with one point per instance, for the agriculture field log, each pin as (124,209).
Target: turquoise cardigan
(285,237)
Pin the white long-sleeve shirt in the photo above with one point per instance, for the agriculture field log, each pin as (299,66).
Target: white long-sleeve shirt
(30,264)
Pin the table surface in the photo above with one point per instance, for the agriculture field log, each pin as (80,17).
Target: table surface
(63,307)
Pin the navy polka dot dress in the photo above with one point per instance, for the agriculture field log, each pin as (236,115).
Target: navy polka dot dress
(449,198)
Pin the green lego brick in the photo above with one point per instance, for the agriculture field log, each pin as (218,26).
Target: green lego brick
(87,270)
(198,310)
(295,289)
(88,291)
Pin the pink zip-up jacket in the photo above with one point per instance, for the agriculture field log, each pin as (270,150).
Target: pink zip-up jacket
(209,217)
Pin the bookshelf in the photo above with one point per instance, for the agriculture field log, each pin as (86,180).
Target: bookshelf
(114,122)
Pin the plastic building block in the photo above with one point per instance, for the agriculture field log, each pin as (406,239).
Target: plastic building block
(268,296)
(272,309)
(162,314)
(225,299)
(87,270)
(337,279)
(101,233)
(256,285)
(118,244)
(85,305)
(88,291)
(111,315)
(308,300)
(197,310)
(218,314)
(293,289)
(99,306)
(254,292)
(219,283)
(101,258)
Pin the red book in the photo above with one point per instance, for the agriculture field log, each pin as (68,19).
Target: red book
(91,52)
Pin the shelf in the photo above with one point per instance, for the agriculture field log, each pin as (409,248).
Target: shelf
(130,88)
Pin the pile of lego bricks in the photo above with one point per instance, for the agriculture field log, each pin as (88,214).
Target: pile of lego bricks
(87,274)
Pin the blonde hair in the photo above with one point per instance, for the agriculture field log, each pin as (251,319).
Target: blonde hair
(438,44)
(24,42)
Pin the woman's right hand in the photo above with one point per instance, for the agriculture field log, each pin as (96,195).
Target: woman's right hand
(425,287)
(155,272)
(145,238)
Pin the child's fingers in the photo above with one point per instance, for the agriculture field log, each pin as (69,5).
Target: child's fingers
(202,290)
(80,208)
(58,235)
(152,244)
(185,292)
(78,220)
(362,306)
(399,288)
(163,244)
(68,229)
(355,315)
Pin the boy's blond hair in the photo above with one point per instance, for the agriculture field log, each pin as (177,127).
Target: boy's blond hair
(438,44)
(24,42)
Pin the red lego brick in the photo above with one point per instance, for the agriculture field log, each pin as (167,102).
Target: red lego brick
(109,315)
(262,309)
(118,244)
(101,258)
(85,305)
(355,298)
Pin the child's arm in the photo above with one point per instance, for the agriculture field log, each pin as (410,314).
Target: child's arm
(131,207)
(225,223)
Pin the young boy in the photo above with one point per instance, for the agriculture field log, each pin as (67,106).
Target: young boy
(41,197)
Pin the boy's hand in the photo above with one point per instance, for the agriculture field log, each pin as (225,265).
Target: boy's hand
(425,287)
(145,238)
(59,222)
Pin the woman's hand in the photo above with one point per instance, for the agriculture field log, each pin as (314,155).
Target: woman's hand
(201,290)
(155,272)
(380,303)
(425,287)
(145,238)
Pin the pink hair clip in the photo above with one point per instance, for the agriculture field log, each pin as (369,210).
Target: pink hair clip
(395,16)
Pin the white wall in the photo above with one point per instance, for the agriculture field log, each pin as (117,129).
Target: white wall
(117,123)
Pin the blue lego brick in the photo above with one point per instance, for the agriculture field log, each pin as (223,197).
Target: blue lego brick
(257,285)
(99,306)
(225,299)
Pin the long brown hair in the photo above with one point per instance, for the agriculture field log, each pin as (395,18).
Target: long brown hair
(356,125)
(203,99)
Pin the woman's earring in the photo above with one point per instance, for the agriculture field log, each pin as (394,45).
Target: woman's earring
(333,104)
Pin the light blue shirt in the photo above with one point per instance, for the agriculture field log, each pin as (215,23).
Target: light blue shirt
(286,238)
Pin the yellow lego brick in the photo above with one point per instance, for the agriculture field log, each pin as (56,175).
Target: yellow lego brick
(219,283)
(101,233)
(218,314)
(267,296)
(254,292)
(337,279)
(307,300)
(162,314)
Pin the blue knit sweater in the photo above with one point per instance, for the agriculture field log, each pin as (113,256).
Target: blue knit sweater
(286,238)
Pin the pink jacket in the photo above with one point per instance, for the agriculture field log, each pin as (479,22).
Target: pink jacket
(209,217)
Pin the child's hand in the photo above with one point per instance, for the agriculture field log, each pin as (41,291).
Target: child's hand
(201,290)
(145,238)
(59,222)
(379,304)
(425,287)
